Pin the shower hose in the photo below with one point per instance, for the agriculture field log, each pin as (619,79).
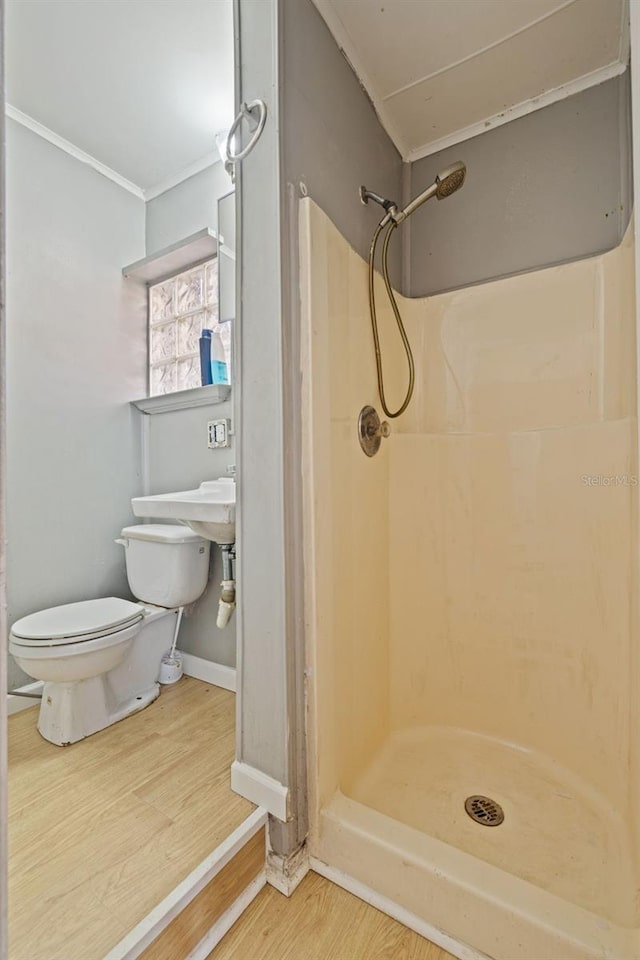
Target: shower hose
(392,414)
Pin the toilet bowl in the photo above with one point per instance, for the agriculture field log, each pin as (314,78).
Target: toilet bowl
(100,659)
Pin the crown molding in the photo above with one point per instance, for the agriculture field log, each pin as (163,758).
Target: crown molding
(208,160)
(39,128)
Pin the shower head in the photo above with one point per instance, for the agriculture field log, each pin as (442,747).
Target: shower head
(446,183)
(450,180)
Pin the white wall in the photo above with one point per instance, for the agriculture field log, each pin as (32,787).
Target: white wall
(263,587)
(178,459)
(76,356)
(186,208)
(177,454)
(3,565)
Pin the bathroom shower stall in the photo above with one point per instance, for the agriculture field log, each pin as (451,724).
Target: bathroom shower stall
(471,604)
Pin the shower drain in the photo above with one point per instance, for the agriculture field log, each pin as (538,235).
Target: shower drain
(484,810)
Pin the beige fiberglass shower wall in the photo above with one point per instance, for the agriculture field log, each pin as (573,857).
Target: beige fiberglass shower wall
(472,605)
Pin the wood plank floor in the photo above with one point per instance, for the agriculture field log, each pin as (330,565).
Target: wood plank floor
(104,829)
(320,922)
(183,934)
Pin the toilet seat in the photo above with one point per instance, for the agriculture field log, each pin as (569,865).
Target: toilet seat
(33,652)
(76,622)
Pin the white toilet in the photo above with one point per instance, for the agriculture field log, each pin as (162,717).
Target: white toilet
(100,659)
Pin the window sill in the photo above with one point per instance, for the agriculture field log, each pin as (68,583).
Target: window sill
(180,256)
(184,399)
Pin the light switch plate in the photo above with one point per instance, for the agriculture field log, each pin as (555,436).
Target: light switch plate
(218,434)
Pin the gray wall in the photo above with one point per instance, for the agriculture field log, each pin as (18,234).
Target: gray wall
(322,131)
(76,355)
(186,208)
(550,187)
(332,139)
(177,458)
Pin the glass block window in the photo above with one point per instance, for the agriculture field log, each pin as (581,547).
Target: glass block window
(179,308)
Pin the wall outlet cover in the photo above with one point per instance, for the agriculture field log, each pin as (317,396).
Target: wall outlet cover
(218,434)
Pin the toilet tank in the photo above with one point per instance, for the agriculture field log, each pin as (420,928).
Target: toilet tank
(167,564)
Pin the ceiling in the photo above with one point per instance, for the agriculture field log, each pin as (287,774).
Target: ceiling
(440,71)
(141,87)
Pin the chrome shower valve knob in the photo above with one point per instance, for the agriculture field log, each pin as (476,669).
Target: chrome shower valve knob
(371,430)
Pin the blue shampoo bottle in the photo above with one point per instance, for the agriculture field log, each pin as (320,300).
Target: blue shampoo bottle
(205,357)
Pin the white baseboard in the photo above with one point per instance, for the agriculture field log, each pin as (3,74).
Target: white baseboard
(16,704)
(222,926)
(210,672)
(215,673)
(441,939)
(261,789)
(145,932)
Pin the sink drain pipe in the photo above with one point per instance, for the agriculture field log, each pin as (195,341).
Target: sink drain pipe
(227,603)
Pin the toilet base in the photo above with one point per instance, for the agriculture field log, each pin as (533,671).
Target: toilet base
(69,712)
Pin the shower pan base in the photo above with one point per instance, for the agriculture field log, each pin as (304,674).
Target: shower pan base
(557,834)
(554,879)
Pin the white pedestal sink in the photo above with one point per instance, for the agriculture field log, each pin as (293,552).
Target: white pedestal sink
(210,510)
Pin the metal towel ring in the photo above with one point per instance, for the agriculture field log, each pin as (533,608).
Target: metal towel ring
(247,112)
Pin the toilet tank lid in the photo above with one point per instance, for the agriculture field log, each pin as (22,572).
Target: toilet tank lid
(78,619)
(161,533)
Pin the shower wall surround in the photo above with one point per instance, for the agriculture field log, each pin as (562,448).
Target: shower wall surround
(511,490)
(471,601)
